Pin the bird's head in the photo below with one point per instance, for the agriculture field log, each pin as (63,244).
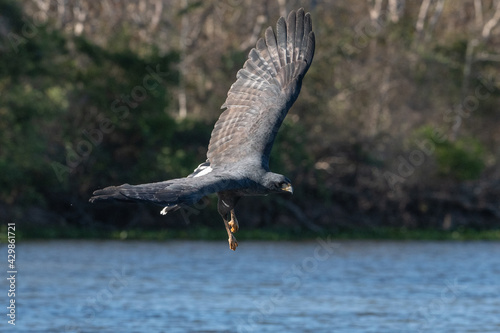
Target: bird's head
(277,183)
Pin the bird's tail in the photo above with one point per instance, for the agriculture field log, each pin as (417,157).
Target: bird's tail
(139,193)
(171,194)
(113,193)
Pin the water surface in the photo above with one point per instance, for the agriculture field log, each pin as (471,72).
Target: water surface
(184,286)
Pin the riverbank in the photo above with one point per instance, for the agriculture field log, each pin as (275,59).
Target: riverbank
(204,233)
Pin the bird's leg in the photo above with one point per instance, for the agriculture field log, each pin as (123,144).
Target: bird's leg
(233,243)
(234,222)
(225,207)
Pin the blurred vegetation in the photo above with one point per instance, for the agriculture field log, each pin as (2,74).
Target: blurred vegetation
(462,159)
(396,126)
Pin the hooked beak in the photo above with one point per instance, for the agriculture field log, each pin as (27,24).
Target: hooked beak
(287,188)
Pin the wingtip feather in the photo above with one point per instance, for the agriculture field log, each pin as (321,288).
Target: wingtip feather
(311,46)
(290,35)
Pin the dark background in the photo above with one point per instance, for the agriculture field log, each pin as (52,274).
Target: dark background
(397,125)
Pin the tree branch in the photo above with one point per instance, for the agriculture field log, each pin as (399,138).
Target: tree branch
(488,27)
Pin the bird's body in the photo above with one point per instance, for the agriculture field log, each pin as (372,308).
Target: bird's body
(238,153)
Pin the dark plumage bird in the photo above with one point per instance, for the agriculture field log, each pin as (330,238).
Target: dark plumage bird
(238,154)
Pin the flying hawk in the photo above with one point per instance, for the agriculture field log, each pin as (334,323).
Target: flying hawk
(238,154)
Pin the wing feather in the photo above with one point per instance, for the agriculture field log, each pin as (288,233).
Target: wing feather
(265,88)
(290,37)
(263,51)
(299,33)
(281,40)
(311,42)
(306,34)
(272,48)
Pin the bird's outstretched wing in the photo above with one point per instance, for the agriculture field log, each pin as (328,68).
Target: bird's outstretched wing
(265,89)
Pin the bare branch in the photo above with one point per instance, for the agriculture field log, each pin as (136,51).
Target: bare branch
(261,19)
(488,27)
(182,65)
(422,15)
(157,15)
(44,6)
(483,56)
(478,8)
(375,8)
(435,18)
(80,15)
(396,9)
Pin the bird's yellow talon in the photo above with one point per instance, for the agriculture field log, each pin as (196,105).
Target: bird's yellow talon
(233,244)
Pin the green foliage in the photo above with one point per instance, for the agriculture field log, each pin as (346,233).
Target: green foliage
(454,50)
(31,100)
(290,154)
(73,110)
(190,7)
(180,155)
(462,159)
(266,234)
(234,60)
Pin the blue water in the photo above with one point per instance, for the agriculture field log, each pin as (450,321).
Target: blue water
(184,286)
